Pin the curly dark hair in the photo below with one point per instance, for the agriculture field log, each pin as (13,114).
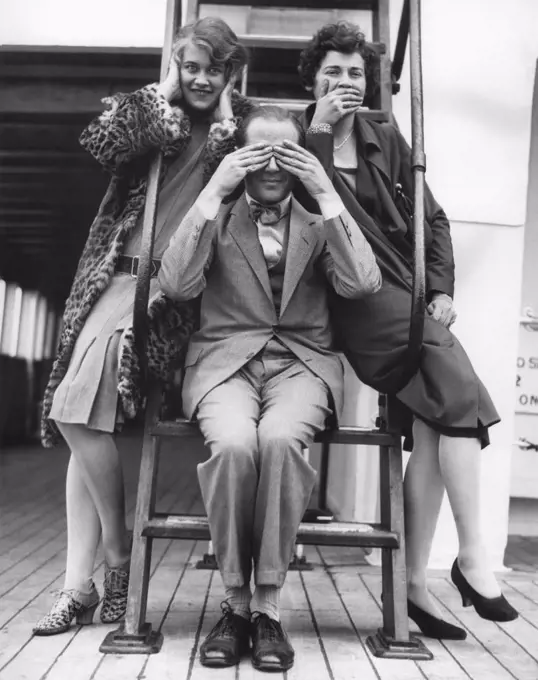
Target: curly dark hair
(346,38)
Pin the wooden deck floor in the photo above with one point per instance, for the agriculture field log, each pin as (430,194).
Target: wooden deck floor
(328,612)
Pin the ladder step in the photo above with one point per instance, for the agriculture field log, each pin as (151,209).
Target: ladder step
(284,42)
(348,534)
(295,4)
(289,42)
(360,436)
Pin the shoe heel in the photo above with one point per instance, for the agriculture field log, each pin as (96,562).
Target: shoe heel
(85,617)
(466,601)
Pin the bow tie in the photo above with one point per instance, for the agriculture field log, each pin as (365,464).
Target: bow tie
(266,215)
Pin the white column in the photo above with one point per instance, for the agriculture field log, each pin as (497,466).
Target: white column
(41,328)
(11,320)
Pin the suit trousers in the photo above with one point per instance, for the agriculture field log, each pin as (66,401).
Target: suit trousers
(256,485)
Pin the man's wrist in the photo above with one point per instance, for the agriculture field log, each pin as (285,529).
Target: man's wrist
(209,202)
(330,204)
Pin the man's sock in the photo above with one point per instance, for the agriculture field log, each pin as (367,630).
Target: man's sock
(239,599)
(266,600)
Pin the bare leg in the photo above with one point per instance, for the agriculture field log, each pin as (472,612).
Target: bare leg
(83,530)
(460,460)
(423,495)
(100,466)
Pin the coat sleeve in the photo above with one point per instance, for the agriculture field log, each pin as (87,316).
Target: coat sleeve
(131,125)
(439,254)
(347,258)
(189,256)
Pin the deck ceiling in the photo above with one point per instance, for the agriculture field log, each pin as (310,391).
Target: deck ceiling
(50,188)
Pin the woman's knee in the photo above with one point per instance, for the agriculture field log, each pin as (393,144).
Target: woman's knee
(424,434)
(82,433)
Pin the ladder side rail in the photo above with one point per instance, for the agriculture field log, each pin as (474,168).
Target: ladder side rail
(418,167)
(140,309)
(401,44)
(381,34)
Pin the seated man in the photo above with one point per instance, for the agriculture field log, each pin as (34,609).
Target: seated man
(261,375)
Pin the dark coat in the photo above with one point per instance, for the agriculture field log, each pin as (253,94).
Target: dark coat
(122,139)
(445,391)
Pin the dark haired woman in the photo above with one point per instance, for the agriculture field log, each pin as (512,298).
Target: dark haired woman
(94,384)
(446,410)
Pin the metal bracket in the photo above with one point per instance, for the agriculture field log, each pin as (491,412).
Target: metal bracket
(385,647)
(148,641)
(300,563)
(208,561)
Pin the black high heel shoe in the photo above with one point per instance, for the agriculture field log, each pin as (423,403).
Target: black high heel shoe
(490,608)
(433,627)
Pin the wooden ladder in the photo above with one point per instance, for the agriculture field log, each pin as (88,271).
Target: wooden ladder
(135,635)
(379,10)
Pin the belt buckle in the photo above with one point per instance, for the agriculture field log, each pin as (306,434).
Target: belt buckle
(134,269)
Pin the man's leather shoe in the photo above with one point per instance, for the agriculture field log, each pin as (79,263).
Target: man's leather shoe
(227,642)
(271,649)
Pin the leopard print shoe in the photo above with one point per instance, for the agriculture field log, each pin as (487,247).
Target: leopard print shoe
(69,605)
(115,599)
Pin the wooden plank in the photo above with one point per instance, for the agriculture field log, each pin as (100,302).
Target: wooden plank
(343,610)
(365,615)
(29,545)
(20,616)
(30,520)
(443,666)
(494,653)
(84,648)
(163,585)
(30,565)
(306,4)
(526,588)
(293,597)
(335,533)
(344,649)
(310,661)
(180,627)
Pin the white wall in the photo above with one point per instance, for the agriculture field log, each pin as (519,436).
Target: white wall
(125,23)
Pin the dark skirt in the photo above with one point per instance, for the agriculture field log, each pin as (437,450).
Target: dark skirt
(445,392)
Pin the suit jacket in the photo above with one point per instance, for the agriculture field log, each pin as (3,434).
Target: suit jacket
(224,259)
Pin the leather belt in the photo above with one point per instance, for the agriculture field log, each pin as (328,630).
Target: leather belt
(129,265)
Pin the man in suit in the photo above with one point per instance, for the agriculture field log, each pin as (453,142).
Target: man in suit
(261,374)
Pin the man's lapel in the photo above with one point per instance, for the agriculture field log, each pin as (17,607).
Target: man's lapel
(301,243)
(244,232)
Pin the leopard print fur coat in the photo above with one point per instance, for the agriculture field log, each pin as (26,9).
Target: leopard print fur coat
(122,139)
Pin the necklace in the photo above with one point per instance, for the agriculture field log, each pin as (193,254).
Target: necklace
(337,147)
